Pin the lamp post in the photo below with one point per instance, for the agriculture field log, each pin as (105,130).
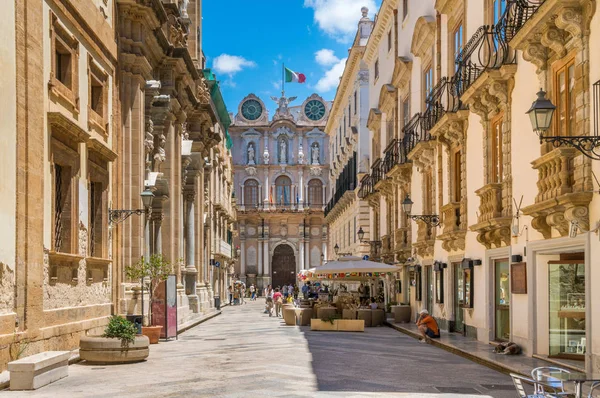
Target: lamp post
(429,219)
(361,234)
(118,216)
(540,115)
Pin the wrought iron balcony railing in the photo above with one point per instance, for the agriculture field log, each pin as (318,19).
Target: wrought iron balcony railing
(517,13)
(377,172)
(279,206)
(487,49)
(366,187)
(395,154)
(414,133)
(442,99)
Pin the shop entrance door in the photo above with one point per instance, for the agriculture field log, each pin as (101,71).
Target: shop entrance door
(284,266)
(459,294)
(502,300)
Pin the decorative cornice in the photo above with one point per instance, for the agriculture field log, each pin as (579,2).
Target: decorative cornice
(385,18)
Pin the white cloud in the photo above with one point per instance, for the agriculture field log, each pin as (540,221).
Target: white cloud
(231,64)
(326,57)
(339,18)
(331,79)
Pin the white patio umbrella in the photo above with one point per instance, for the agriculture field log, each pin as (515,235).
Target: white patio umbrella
(350,264)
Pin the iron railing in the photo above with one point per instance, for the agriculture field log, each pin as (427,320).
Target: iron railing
(279,206)
(487,49)
(376,171)
(414,133)
(346,181)
(395,154)
(517,13)
(366,187)
(442,99)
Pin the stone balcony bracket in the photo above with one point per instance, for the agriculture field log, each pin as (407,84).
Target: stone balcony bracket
(558,201)
(555,28)
(454,234)
(450,129)
(493,226)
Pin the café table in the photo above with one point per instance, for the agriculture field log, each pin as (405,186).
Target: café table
(579,378)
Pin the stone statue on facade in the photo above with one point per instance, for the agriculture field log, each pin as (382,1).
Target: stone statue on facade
(266,155)
(202,92)
(160,154)
(183,8)
(282,151)
(315,153)
(149,142)
(282,111)
(300,154)
(251,154)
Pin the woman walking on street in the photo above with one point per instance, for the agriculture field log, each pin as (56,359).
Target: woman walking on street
(269,300)
(278,299)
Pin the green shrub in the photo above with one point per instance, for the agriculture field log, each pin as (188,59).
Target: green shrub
(120,328)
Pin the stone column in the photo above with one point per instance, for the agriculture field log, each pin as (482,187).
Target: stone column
(260,258)
(301,254)
(157,219)
(307,252)
(243,260)
(301,187)
(190,245)
(267,270)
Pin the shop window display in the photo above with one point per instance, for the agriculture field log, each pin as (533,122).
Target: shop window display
(567,309)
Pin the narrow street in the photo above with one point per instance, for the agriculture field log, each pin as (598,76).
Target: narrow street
(244,353)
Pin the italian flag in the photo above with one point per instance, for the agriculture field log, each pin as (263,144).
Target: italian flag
(294,77)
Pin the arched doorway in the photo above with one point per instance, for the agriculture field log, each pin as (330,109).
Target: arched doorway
(283,266)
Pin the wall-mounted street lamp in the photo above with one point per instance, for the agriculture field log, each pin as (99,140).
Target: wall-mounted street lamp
(429,219)
(118,216)
(336,249)
(541,113)
(361,234)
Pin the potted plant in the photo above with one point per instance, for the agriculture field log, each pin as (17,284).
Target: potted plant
(118,344)
(153,272)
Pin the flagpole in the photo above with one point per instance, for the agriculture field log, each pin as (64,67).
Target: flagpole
(282,79)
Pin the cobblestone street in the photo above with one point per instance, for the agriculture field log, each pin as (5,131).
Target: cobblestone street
(245,353)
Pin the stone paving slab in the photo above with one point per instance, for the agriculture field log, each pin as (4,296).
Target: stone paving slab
(245,353)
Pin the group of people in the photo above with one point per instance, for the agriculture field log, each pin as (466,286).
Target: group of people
(274,298)
(238,292)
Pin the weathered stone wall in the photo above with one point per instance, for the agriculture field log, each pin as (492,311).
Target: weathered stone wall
(7,289)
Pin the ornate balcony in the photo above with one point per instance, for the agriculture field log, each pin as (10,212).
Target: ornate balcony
(417,141)
(425,239)
(396,165)
(486,50)
(376,172)
(454,225)
(387,253)
(366,187)
(402,244)
(493,224)
(547,29)
(564,193)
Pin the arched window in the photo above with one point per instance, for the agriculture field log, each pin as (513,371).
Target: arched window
(283,190)
(315,192)
(251,193)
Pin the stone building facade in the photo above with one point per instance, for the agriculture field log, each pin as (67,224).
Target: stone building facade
(281,185)
(89,122)
(349,143)
(512,257)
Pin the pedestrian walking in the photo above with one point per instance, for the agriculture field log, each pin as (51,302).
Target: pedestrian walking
(252,293)
(278,299)
(284,290)
(305,291)
(269,300)
(296,292)
(291,290)
(236,296)
(242,293)
(230,294)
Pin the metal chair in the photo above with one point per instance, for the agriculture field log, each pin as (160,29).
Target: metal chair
(518,381)
(545,372)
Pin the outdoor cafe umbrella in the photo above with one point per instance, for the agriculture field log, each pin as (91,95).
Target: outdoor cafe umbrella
(350,264)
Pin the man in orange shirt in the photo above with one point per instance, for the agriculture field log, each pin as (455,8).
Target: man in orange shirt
(428,326)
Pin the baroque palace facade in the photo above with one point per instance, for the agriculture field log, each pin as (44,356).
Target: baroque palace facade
(281,183)
(89,123)
(495,231)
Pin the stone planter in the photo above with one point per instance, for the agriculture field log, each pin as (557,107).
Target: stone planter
(104,350)
(338,325)
(289,316)
(401,313)
(152,332)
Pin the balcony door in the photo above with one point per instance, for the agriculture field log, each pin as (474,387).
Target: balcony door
(502,300)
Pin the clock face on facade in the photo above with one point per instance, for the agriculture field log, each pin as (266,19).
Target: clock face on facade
(314,110)
(251,109)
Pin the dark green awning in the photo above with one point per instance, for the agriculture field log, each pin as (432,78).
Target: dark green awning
(217,97)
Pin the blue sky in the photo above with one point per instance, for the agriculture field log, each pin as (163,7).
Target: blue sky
(246,42)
